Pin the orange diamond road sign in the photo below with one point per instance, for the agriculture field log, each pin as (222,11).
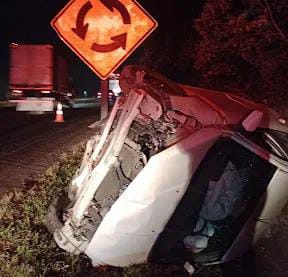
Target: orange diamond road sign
(103,33)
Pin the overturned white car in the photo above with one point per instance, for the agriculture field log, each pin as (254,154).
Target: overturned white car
(176,174)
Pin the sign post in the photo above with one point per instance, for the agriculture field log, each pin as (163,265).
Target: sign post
(103,33)
(104,98)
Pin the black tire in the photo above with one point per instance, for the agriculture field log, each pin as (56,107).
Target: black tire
(53,219)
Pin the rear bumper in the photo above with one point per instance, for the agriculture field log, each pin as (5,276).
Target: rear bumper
(32,104)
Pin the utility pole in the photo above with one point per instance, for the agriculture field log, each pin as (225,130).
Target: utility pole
(104,98)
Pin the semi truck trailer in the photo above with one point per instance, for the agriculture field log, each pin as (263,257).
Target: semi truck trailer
(38,77)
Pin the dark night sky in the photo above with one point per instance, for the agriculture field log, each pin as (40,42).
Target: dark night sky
(29,22)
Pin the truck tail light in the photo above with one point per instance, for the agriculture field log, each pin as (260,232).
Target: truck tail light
(45,91)
(17,92)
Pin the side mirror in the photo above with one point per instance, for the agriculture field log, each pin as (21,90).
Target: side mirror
(252,121)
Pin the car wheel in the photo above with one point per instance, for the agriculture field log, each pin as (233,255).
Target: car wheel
(59,205)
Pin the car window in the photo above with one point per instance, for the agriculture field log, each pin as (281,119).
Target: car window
(231,197)
(224,191)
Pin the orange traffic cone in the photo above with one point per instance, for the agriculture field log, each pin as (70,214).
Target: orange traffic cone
(59,114)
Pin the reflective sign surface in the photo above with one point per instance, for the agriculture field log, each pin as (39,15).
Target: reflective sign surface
(103,33)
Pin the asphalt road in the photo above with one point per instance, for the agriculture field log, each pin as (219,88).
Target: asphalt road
(29,144)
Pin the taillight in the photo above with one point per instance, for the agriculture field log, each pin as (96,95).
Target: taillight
(17,92)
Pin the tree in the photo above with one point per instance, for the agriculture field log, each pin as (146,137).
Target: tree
(164,50)
(243,46)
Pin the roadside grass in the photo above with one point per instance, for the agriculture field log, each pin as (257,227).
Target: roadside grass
(26,247)
(28,250)
(271,251)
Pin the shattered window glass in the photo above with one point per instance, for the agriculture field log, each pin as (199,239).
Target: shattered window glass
(222,195)
(230,198)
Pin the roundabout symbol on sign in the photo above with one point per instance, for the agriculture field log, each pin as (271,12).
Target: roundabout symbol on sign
(84,25)
(118,40)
